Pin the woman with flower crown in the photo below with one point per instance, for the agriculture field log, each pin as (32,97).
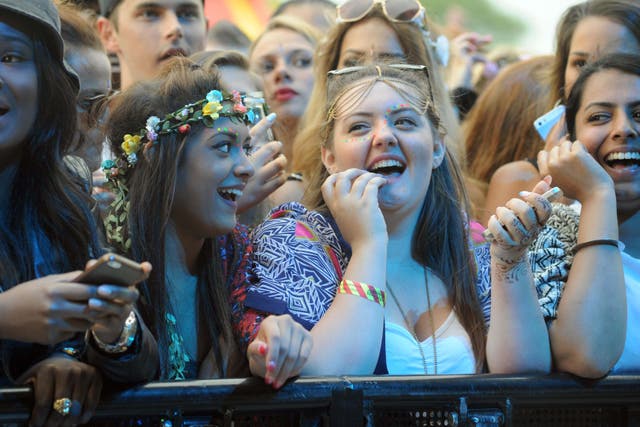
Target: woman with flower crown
(181,169)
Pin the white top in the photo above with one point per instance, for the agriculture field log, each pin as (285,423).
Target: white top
(453,350)
(630,359)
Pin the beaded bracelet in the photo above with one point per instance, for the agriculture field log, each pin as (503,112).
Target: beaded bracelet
(363,290)
(609,242)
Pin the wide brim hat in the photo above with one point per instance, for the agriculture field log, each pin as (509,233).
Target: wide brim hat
(44,14)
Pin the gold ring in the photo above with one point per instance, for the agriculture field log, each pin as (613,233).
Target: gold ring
(62,406)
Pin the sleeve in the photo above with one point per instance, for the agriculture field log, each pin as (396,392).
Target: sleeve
(296,264)
(139,364)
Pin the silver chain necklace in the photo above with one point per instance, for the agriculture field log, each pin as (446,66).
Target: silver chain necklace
(411,329)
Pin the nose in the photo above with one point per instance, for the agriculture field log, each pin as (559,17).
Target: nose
(243,167)
(625,127)
(173,25)
(383,134)
(282,71)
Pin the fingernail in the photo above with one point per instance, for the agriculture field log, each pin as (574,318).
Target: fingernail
(547,179)
(272,117)
(523,193)
(277,384)
(271,365)
(104,291)
(268,380)
(262,349)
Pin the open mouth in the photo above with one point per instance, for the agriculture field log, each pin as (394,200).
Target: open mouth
(231,194)
(623,159)
(387,167)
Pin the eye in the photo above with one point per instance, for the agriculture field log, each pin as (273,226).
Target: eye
(188,14)
(301,61)
(351,62)
(11,58)
(636,115)
(405,123)
(149,13)
(578,63)
(224,147)
(359,128)
(265,67)
(598,117)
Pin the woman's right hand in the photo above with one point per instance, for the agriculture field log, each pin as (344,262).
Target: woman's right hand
(352,198)
(280,350)
(46,310)
(574,170)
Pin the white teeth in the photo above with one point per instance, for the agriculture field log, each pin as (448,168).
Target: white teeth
(234,192)
(386,164)
(633,155)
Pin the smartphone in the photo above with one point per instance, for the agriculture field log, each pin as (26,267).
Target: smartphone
(547,121)
(255,102)
(113,269)
(552,195)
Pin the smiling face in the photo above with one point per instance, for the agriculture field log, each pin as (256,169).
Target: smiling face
(386,135)
(608,123)
(211,177)
(593,37)
(18,88)
(284,60)
(147,33)
(368,41)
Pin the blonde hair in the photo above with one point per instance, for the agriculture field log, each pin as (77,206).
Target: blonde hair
(291,23)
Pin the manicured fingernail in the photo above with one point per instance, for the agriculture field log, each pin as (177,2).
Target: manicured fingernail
(547,179)
(272,117)
(523,193)
(104,291)
(262,349)
(268,380)
(271,365)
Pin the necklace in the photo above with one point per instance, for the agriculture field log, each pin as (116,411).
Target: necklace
(412,329)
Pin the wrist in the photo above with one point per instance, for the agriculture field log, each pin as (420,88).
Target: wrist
(123,342)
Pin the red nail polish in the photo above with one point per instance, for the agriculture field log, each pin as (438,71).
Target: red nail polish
(271,365)
(262,349)
(268,380)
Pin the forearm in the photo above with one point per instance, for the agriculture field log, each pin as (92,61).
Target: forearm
(589,333)
(517,340)
(352,328)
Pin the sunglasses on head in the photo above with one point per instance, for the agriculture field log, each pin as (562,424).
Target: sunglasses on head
(423,69)
(394,10)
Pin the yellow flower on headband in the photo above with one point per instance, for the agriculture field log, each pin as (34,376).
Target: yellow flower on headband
(131,144)
(211,109)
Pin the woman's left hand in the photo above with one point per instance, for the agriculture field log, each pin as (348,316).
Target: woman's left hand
(515,225)
(61,380)
(111,307)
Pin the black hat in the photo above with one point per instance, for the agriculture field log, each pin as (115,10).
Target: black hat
(44,14)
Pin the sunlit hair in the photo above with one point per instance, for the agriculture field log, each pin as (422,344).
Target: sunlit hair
(290,23)
(76,30)
(440,240)
(48,214)
(623,12)
(499,129)
(306,149)
(625,63)
(152,184)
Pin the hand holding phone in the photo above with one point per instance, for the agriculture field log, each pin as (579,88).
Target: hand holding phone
(113,269)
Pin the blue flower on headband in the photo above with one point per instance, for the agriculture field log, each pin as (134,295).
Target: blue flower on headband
(215,96)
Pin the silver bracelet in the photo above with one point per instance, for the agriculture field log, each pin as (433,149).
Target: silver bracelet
(126,339)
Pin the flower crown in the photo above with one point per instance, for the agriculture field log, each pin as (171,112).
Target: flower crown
(216,104)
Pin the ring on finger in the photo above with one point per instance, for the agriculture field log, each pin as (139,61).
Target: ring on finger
(63,406)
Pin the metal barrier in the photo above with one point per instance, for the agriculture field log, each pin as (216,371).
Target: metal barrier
(479,400)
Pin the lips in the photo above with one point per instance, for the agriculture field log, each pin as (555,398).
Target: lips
(170,53)
(387,165)
(284,94)
(231,194)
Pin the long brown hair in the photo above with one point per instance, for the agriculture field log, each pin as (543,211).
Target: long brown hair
(151,187)
(440,240)
(623,12)
(499,129)
(306,149)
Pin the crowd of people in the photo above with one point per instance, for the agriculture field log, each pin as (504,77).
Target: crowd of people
(339,189)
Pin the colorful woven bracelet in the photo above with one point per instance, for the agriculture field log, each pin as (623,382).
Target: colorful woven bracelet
(363,290)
